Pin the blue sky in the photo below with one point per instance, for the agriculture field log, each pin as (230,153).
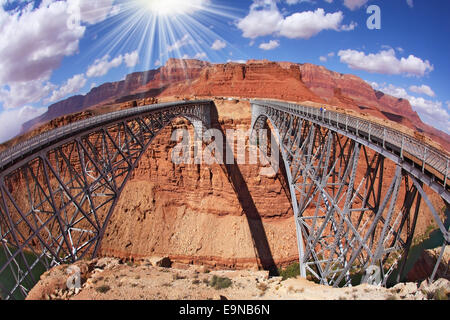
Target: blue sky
(53,49)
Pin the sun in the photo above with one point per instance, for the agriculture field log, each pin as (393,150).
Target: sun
(163,29)
(172,7)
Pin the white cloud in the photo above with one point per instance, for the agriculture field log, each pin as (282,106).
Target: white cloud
(95,11)
(100,67)
(423,89)
(131,59)
(349,27)
(392,90)
(385,62)
(34,42)
(18,94)
(198,55)
(325,58)
(431,112)
(410,3)
(12,120)
(291,2)
(354,4)
(308,23)
(180,43)
(265,19)
(236,61)
(272,44)
(73,85)
(218,45)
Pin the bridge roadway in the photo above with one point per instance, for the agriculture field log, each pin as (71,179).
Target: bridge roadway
(107,148)
(29,147)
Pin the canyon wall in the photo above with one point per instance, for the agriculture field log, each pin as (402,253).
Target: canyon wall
(207,214)
(254,79)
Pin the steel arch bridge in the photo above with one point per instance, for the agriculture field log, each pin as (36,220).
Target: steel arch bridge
(59,189)
(351,215)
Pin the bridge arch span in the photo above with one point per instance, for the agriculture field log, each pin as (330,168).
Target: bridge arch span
(59,189)
(356,191)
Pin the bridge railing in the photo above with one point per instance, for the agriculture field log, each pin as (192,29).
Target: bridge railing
(404,144)
(17,151)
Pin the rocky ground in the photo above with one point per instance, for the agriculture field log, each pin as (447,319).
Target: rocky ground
(159,279)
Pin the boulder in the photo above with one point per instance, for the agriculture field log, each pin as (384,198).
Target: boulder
(163,262)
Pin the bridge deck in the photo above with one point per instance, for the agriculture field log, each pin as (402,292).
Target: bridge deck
(28,147)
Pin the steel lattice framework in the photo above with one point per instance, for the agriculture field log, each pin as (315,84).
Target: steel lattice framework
(58,190)
(352,214)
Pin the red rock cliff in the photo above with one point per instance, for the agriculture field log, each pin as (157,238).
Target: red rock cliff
(254,79)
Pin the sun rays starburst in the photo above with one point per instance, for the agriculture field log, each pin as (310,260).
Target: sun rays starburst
(162,29)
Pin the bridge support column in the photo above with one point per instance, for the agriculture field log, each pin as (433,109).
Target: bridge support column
(258,120)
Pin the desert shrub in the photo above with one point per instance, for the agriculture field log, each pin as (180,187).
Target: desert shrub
(177,276)
(103,288)
(220,283)
(290,271)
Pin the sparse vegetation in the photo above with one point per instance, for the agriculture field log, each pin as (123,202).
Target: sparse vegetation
(220,282)
(425,235)
(176,276)
(290,271)
(103,288)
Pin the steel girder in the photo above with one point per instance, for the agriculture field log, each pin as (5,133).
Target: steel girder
(55,203)
(353,214)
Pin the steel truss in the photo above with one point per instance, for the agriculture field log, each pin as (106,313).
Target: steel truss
(352,212)
(57,195)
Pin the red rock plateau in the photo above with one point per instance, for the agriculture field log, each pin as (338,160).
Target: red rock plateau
(256,78)
(211,214)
